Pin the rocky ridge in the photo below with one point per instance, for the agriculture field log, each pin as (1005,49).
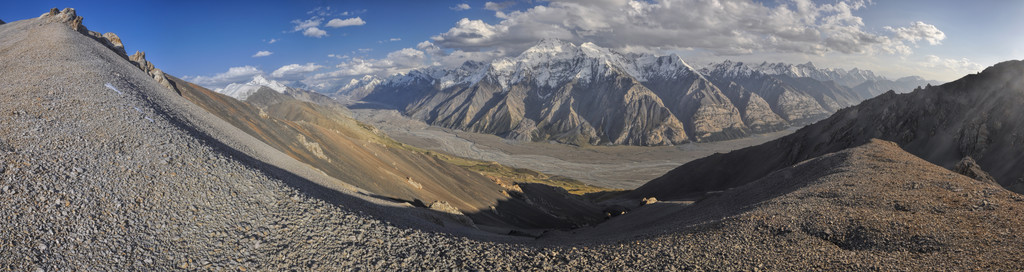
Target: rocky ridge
(972,116)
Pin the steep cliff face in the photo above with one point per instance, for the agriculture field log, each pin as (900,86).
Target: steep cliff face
(757,114)
(798,100)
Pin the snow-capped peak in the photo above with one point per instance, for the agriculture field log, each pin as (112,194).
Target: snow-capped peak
(367,81)
(259,80)
(552,62)
(243,91)
(848,78)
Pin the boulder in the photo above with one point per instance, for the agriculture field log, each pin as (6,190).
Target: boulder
(615,210)
(452,212)
(968,167)
(648,201)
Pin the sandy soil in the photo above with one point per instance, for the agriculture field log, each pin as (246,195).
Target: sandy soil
(624,167)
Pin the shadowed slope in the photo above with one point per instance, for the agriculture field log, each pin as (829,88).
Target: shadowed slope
(866,207)
(325,138)
(975,116)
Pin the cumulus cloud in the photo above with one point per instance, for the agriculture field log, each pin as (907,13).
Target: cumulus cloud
(233,75)
(460,7)
(498,6)
(262,54)
(314,32)
(724,27)
(310,27)
(918,31)
(294,69)
(399,61)
(271,41)
(346,22)
(394,39)
(301,25)
(429,47)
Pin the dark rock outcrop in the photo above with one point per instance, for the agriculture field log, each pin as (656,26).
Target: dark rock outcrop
(968,167)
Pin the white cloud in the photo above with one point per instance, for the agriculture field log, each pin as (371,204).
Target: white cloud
(262,54)
(314,32)
(959,66)
(394,39)
(400,61)
(346,22)
(295,69)
(918,31)
(233,75)
(310,27)
(723,27)
(272,41)
(458,57)
(429,47)
(320,11)
(498,6)
(460,7)
(301,25)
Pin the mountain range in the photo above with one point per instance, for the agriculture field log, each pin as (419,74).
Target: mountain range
(973,119)
(589,95)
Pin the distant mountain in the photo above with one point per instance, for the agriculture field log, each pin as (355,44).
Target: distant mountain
(356,89)
(587,94)
(795,99)
(977,116)
(842,77)
(552,91)
(243,91)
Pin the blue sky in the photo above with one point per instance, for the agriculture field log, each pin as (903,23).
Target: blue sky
(214,43)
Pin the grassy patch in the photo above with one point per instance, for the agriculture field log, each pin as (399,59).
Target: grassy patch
(521,175)
(505,174)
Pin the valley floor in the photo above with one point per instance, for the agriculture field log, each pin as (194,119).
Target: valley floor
(620,167)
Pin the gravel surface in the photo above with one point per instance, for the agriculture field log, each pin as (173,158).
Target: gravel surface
(88,182)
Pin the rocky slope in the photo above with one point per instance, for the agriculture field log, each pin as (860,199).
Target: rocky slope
(974,116)
(103,168)
(587,94)
(323,136)
(862,208)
